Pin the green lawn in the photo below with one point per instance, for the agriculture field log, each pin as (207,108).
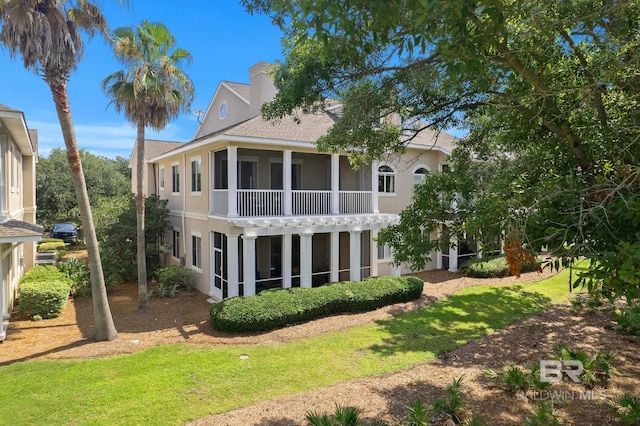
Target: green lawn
(172,384)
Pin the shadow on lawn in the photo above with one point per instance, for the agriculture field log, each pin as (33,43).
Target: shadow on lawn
(457,320)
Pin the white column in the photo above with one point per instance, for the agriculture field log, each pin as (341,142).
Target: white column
(453,254)
(306,253)
(335,183)
(355,255)
(287,186)
(334,267)
(232,180)
(374,187)
(249,264)
(373,250)
(287,249)
(479,254)
(233,266)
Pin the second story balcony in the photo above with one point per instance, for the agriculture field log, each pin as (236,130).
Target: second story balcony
(267,183)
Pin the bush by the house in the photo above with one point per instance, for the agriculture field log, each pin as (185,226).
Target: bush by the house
(50,240)
(172,279)
(491,267)
(78,272)
(273,309)
(44,292)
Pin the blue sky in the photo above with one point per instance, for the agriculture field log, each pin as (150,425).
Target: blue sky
(222,37)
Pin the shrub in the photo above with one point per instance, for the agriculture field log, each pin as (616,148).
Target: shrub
(173,279)
(50,240)
(628,319)
(491,267)
(78,272)
(44,299)
(44,273)
(111,269)
(278,308)
(51,246)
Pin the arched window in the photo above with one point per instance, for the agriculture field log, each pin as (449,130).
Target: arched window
(386,180)
(419,175)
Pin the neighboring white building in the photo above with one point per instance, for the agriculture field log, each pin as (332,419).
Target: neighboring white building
(254,205)
(18,232)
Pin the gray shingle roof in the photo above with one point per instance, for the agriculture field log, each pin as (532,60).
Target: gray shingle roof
(154,148)
(240,88)
(17,229)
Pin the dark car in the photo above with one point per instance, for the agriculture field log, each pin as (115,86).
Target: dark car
(65,231)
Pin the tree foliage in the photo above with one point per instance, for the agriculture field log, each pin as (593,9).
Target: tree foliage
(55,197)
(547,89)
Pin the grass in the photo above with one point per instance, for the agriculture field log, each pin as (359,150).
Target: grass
(172,384)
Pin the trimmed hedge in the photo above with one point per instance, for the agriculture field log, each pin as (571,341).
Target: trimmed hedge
(51,246)
(491,267)
(279,308)
(44,292)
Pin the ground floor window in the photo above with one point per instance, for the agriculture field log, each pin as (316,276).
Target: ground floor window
(196,251)
(176,243)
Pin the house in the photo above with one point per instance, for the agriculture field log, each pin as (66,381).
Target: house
(254,205)
(18,232)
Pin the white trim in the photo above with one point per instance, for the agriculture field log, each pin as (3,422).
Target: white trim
(288,143)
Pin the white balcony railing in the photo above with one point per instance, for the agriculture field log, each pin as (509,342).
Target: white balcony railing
(269,202)
(355,202)
(260,202)
(311,203)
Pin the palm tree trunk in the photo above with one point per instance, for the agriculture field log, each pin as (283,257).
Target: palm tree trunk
(104,327)
(143,299)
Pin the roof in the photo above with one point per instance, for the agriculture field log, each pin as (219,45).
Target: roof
(154,148)
(241,89)
(305,128)
(12,230)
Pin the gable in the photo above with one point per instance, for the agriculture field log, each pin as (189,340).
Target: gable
(229,106)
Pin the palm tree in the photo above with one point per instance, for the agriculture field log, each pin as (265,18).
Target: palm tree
(46,34)
(151,91)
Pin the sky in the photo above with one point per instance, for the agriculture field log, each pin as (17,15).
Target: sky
(223,38)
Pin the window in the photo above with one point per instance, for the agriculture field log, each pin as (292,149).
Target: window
(384,252)
(196,175)
(386,180)
(175,178)
(161,178)
(196,251)
(176,243)
(419,175)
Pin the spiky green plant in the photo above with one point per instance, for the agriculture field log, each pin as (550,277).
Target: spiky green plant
(626,408)
(544,415)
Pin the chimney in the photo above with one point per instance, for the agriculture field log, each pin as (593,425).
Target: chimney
(261,87)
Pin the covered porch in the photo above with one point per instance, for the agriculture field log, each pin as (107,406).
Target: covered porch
(265,254)
(267,183)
